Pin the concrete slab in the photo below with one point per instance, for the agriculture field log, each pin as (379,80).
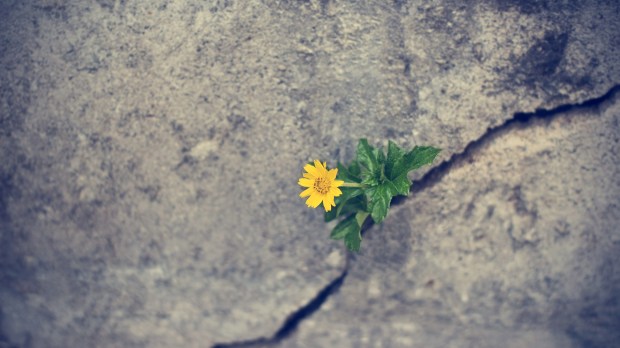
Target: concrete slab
(150,151)
(516,246)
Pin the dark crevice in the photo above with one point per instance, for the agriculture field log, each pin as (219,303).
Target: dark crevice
(428,180)
(437,173)
(293,321)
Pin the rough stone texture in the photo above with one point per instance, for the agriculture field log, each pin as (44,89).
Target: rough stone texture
(150,152)
(517,245)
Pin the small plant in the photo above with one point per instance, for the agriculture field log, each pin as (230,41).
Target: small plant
(363,188)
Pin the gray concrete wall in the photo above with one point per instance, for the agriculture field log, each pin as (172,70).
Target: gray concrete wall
(150,153)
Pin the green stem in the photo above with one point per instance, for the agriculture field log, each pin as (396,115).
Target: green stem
(360,217)
(353,184)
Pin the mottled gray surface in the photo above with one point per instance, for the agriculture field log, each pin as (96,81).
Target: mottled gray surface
(516,246)
(150,152)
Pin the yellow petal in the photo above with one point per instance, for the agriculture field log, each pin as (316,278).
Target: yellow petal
(308,176)
(314,200)
(327,205)
(312,170)
(335,191)
(306,193)
(332,174)
(319,166)
(305,182)
(330,199)
(337,183)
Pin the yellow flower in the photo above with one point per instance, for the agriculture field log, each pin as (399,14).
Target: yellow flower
(321,184)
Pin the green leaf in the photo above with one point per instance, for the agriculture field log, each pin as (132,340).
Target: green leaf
(350,230)
(330,215)
(370,179)
(345,203)
(391,188)
(380,202)
(414,159)
(366,156)
(370,192)
(353,206)
(351,174)
(360,217)
(394,155)
(354,169)
(379,155)
(347,193)
(353,241)
(345,227)
(402,185)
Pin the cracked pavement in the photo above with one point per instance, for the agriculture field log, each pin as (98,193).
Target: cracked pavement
(504,265)
(150,153)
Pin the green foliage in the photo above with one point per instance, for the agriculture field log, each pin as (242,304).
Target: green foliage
(380,177)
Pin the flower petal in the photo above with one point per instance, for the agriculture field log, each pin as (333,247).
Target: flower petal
(314,200)
(319,166)
(337,183)
(311,169)
(332,174)
(330,199)
(335,191)
(305,182)
(306,192)
(308,176)
(327,205)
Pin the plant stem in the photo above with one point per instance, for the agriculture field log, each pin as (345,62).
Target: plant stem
(352,184)
(360,217)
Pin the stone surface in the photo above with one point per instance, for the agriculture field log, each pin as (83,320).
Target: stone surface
(517,245)
(150,150)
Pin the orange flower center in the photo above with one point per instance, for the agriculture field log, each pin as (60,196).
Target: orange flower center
(322,185)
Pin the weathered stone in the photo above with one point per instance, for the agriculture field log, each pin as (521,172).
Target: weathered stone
(517,245)
(150,150)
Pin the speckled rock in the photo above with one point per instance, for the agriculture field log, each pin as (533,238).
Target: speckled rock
(150,150)
(517,246)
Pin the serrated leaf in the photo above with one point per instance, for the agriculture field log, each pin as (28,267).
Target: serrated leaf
(370,179)
(353,241)
(351,206)
(369,192)
(380,203)
(414,159)
(394,155)
(391,188)
(366,156)
(347,175)
(402,185)
(380,155)
(345,227)
(347,194)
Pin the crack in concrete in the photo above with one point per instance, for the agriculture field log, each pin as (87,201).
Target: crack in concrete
(435,175)
(431,178)
(293,321)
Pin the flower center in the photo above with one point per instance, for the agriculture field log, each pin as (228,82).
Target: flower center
(321,185)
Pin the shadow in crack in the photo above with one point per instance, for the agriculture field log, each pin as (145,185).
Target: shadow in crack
(292,322)
(436,174)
